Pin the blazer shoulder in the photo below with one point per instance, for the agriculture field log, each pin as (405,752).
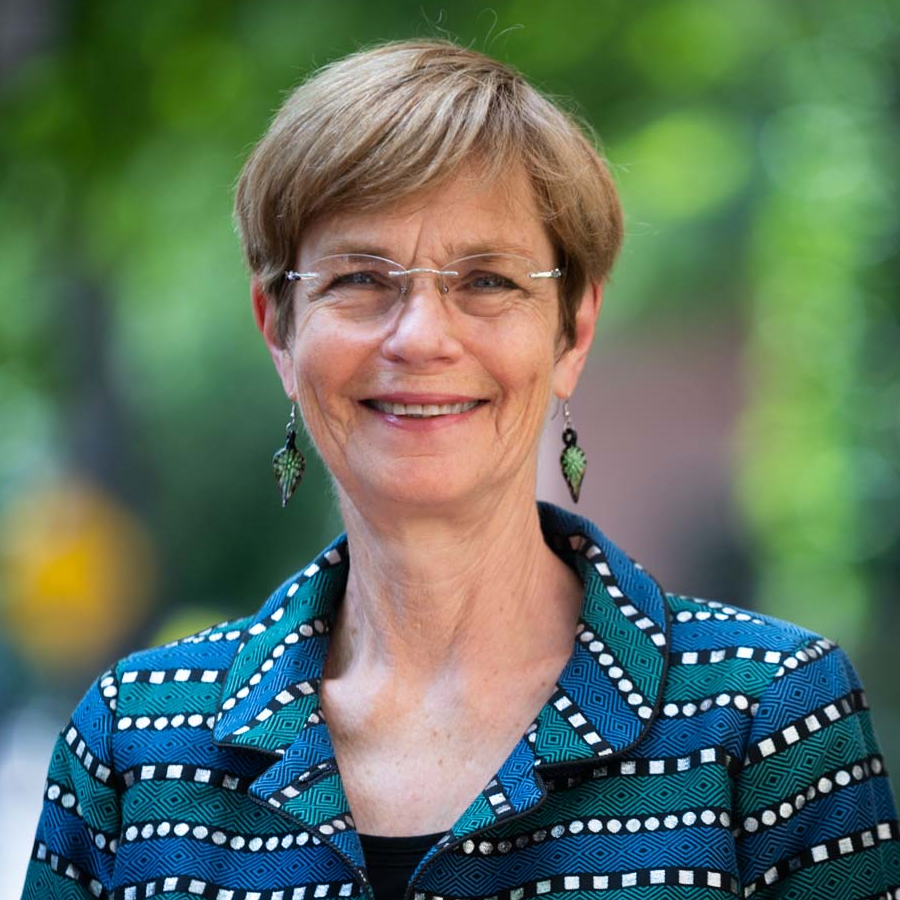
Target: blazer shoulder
(695,619)
(212,649)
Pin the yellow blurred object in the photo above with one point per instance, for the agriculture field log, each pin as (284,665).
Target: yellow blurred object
(77,573)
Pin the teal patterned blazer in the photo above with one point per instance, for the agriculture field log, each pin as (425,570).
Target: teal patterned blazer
(689,751)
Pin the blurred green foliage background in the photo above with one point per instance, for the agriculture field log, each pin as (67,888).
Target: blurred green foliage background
(755,146)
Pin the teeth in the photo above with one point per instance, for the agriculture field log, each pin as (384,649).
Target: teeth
(420,411)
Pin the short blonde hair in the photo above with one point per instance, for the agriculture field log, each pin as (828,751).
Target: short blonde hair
(385,123)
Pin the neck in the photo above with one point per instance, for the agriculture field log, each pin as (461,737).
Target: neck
(460,596)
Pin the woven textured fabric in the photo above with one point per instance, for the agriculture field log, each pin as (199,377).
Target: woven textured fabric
(690,750)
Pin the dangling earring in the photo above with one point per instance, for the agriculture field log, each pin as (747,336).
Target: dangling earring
(288,463)
(572,460)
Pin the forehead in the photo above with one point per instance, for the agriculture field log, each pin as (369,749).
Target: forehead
(463,214)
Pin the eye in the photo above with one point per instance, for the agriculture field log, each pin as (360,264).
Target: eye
(347,283)
(358,279)
(489,281)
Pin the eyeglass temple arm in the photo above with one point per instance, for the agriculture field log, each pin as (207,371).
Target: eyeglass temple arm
(552,273)
(291,275)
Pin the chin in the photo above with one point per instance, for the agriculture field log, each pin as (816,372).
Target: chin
(431,489)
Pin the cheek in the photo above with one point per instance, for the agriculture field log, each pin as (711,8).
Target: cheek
(320,349)
(526,354)
(327,362)
(521,363)
(316,367)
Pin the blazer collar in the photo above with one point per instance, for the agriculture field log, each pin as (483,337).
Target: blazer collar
(604,701)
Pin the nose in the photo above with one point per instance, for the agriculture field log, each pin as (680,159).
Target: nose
(423,330)
(440,276)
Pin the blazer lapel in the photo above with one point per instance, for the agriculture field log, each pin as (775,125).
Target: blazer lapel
(270,703)
(611,689)
(271,692)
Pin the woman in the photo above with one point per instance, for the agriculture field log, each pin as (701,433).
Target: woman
(468,695)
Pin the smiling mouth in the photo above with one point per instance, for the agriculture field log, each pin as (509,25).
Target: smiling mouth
(422,410)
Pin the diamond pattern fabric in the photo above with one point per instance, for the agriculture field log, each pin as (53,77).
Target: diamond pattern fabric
(689,751)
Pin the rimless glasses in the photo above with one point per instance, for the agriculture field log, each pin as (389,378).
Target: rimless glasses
(485,284)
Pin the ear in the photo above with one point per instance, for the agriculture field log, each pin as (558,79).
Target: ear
(265,318)
(568,367)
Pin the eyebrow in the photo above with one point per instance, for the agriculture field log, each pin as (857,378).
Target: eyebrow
(344,248)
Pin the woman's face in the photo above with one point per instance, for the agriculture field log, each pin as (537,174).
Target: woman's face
(365,384)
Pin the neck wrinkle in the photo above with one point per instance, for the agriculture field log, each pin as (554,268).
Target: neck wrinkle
(437,598)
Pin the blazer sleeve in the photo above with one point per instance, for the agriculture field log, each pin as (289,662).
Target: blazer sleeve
(814,813)
(77,835)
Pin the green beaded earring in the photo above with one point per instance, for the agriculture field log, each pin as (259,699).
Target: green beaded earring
(289,463)
(573,460)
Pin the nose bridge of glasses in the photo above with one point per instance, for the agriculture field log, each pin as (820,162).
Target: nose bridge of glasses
(439,276)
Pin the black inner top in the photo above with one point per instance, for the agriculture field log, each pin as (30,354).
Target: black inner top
(390,861)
